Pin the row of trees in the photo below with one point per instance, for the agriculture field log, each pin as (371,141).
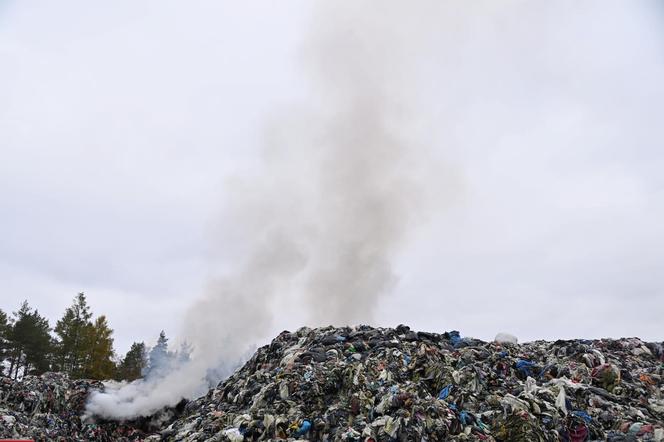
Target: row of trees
(79,345)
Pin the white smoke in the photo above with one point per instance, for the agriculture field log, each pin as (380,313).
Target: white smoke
(322,222)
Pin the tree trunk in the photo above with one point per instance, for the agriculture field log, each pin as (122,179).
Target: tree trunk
(18,367)
(11,365)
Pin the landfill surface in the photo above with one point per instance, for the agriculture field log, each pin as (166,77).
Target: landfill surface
(388,384)
(49,408)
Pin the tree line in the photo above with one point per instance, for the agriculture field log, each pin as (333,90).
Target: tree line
(79,345)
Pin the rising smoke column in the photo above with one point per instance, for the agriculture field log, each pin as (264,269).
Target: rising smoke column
(366,187)
(364,202)
(323,220)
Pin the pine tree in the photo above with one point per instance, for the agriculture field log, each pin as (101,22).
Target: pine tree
(98,344)
(39,345)
(159,360)
(29,342)
(134,362)
(5,327)
(184,353)
(16,336)
(72,330)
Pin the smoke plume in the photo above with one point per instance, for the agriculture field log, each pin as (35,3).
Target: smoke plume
(320,222)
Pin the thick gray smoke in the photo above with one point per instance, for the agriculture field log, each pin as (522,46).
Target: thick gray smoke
(320,223)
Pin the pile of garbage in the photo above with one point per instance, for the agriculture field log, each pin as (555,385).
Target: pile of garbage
(369,384)
(382,384)
(49,408)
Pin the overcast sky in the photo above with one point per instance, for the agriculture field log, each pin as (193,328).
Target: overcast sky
(123,123)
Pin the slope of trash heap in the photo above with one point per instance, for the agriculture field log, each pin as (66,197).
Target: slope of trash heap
(380,384)
(49,408)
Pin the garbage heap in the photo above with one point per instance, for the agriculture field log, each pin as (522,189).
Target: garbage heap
(48,408)
(383,384)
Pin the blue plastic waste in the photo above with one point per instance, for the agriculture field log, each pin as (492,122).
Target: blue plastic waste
(455,337)
(445,392)
(464,417)
(583,415)
(524,366)
(304,428)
